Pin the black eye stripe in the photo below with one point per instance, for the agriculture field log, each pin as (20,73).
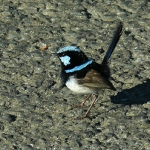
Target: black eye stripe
(62,54)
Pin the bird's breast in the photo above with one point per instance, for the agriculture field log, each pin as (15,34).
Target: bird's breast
(73,85)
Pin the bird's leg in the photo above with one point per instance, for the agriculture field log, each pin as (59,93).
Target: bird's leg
(82,104)
(94,101)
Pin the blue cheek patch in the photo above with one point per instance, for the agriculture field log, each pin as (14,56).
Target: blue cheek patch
(77,68)
(69,48)
(65,60)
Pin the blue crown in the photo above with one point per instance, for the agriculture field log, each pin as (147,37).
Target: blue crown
(69,48)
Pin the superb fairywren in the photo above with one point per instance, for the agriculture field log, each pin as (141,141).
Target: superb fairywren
(83,75)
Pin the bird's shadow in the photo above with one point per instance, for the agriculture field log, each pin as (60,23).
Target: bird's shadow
(137,95)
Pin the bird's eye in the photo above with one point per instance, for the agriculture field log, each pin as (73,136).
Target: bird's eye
(63,54)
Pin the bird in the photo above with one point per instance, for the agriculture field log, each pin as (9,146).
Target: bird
(83,75)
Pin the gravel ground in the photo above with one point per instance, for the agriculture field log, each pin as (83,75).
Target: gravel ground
(35,113)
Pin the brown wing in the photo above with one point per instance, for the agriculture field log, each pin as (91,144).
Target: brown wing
(95,80)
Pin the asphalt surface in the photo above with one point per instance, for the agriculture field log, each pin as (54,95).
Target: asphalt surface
(35,113)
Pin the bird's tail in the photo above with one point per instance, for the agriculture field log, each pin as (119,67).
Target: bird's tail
(113,43)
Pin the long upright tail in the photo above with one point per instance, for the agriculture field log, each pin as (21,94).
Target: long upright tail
(113,43)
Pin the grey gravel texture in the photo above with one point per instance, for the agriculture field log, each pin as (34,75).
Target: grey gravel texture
(35,113)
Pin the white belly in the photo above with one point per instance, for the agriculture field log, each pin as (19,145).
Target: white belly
(73,85)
